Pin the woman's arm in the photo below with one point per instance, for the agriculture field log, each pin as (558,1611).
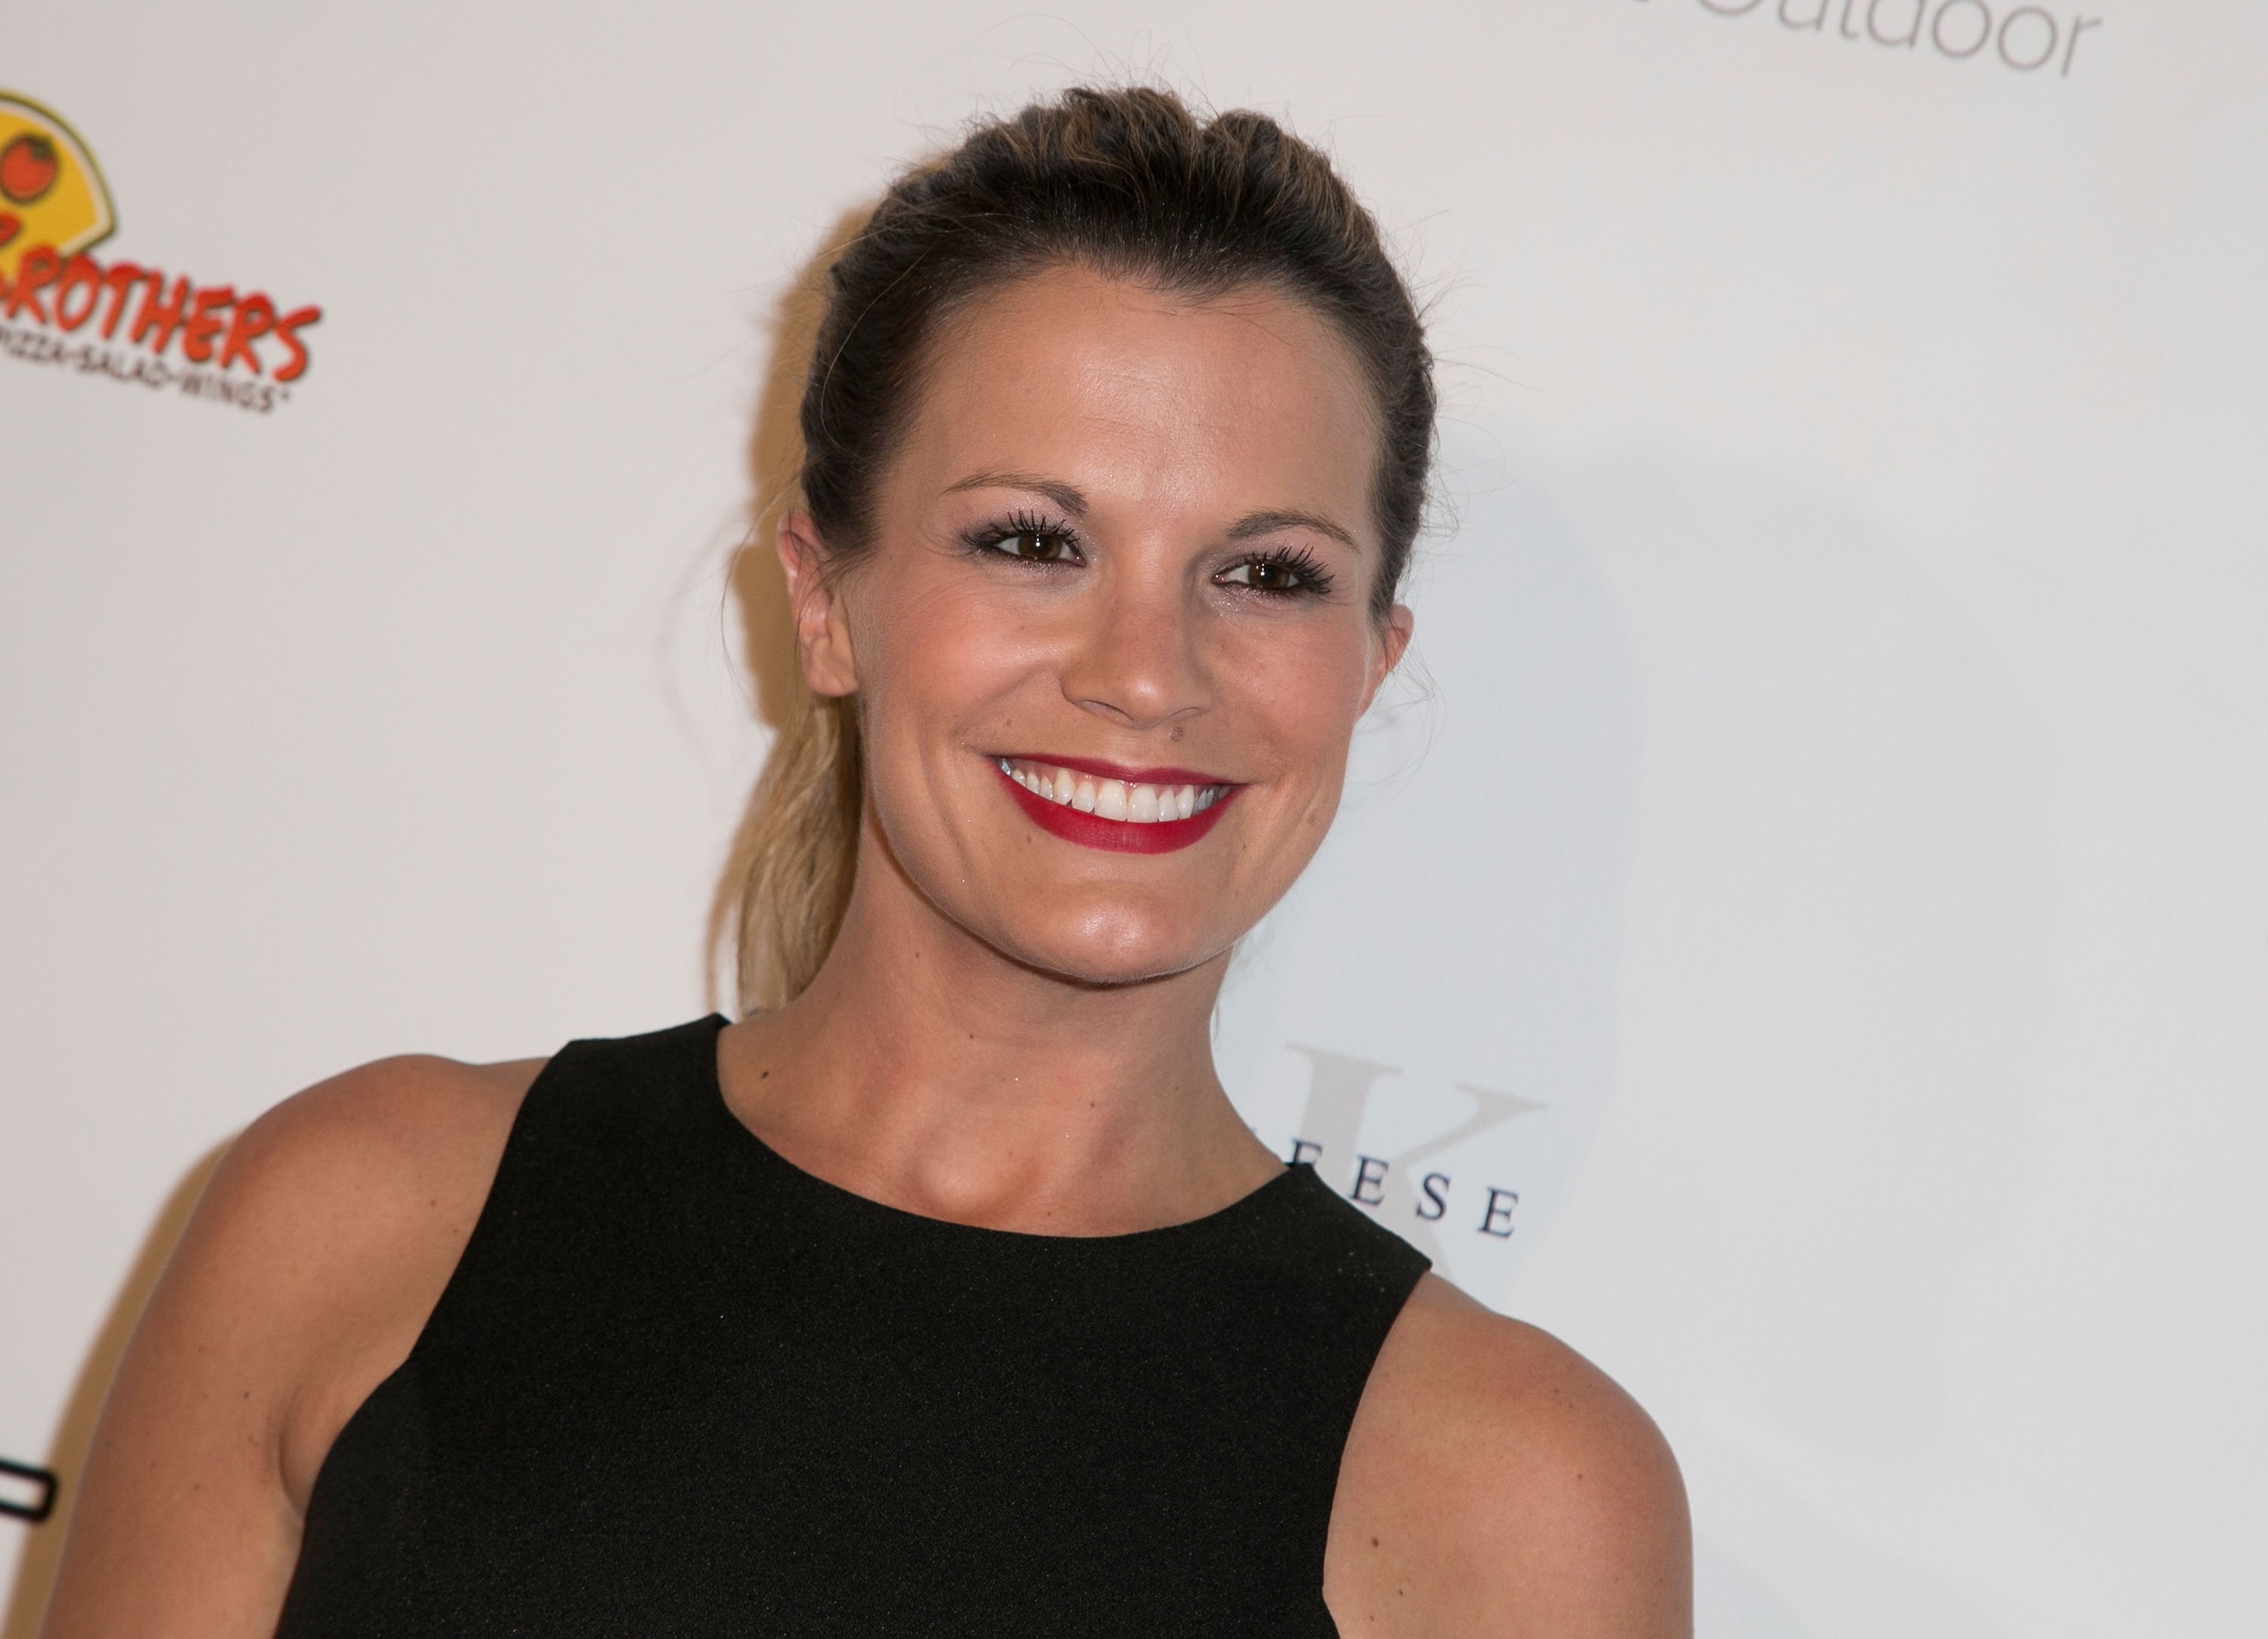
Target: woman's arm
(1497,1483)
(305,1275)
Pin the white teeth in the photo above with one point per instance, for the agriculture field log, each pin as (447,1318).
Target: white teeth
(1111,800)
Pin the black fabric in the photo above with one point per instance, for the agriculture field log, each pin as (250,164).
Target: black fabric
(677,1386)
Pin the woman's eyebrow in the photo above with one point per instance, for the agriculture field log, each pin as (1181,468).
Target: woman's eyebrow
(1072,500)
(1268,523)
(1063,495)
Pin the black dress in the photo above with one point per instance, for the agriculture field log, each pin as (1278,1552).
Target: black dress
(676,1385)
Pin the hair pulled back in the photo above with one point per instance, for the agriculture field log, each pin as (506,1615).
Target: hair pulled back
(1133,184)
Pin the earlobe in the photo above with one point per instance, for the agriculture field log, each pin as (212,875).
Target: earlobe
(1392,644)
(822,636)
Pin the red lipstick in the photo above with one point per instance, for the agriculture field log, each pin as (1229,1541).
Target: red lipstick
(1120,836)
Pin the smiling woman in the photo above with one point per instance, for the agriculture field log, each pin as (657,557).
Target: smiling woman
(944,1292)
(1163,569)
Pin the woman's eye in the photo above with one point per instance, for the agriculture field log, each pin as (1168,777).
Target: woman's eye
(1036,546)
(1266,575)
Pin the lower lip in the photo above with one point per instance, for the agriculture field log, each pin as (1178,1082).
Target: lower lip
(1117,836)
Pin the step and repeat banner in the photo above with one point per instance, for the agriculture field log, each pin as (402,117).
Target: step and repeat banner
(1799,929)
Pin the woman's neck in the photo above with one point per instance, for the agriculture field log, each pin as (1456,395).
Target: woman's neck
(923,1068)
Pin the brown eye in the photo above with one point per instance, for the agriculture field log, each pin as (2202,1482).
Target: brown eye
(1266,575)
(1036,546)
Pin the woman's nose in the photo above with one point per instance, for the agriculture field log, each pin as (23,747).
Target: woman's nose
(1136,659)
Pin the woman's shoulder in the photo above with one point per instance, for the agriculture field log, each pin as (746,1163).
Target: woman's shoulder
(370,1175)
(394,1122)
(1497,1481)
(301,1281)
(334,1220)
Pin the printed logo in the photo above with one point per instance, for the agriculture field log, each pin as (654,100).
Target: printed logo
(122,320)
(27,1491)
(1401,1188)
(50,191)
(2025,38)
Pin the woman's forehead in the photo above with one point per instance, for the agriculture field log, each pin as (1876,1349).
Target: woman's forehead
(1145,390)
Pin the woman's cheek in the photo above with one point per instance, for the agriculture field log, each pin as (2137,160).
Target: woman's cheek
(927,649)
(1308,692)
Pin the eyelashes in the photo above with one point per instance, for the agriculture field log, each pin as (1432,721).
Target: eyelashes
(1290,572)
(1043,541)
(1058,541)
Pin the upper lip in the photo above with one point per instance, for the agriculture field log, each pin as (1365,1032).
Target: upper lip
(1101,769)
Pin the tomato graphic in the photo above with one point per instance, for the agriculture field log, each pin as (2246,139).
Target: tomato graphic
(27,167)
(52,193)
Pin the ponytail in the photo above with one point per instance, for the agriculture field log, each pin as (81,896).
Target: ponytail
(797,851)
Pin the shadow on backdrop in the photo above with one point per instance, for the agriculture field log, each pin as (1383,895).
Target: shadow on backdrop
(1437,997)
(1837,1007)
(758,587)
(35,1571)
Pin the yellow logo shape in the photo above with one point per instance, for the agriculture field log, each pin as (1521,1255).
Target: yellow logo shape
(51,192)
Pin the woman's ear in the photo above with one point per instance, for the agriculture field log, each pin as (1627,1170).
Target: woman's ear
(823,633)
(1392,644)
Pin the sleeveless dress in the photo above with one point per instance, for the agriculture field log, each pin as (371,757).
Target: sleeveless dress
(676,1385)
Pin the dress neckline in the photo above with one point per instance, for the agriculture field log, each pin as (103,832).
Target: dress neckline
(1296,1176)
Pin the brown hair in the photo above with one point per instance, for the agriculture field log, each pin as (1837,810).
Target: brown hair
(1128,182)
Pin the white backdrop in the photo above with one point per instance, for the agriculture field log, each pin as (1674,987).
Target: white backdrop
(1822,879)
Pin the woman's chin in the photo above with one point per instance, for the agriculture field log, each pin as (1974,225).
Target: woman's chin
(1109,949)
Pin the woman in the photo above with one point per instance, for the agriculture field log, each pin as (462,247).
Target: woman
(944,1292)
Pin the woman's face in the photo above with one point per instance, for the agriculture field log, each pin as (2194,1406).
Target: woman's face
(1121,572)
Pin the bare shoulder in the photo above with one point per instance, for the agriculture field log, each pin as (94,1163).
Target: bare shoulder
(306,1273)
(1496,1481)
(365,1175)
(379,1132)
(336,1219)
